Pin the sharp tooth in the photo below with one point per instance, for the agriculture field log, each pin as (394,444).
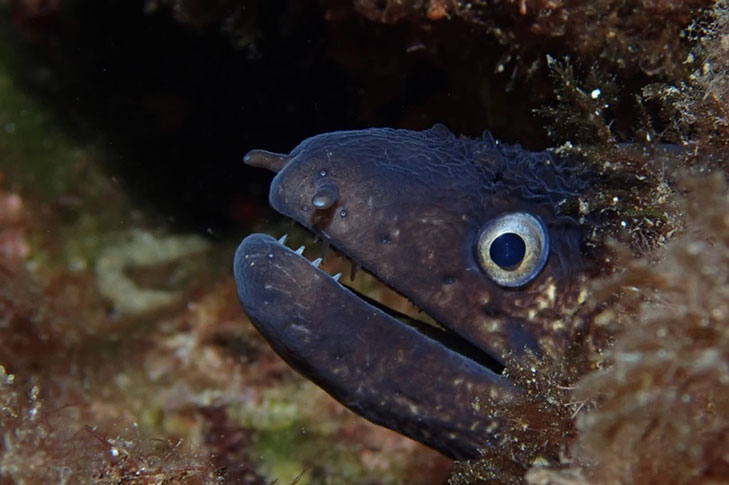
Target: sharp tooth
(337,276)
(300,251)
(316,262)
(283,239)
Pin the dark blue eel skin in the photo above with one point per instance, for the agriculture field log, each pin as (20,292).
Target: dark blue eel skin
(410,207)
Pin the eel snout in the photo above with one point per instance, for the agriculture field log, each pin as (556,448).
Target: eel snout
(374,364)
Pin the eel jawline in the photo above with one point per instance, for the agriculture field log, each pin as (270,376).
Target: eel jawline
(367,360)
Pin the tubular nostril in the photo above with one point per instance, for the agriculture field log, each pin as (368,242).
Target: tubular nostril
(325,197)
(264,159)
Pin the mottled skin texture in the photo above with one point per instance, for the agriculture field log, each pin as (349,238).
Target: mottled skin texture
(409,209)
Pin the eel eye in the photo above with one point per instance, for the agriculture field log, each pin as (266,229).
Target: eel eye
(513,248)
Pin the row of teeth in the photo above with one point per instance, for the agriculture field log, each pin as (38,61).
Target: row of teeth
(300,252)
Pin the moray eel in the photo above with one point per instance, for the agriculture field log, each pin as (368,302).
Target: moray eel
(473,231)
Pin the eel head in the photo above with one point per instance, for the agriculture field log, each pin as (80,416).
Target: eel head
(473,231)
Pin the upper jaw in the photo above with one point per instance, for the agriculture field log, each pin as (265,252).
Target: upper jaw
(423,251)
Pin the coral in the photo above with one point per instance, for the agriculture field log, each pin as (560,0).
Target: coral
(144,249)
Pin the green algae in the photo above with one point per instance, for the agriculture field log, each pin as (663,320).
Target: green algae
(35,151)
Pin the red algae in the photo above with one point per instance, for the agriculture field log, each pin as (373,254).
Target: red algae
(658,410)
(191,397)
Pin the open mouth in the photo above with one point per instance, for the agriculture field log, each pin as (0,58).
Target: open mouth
(384,298)
(392,369)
